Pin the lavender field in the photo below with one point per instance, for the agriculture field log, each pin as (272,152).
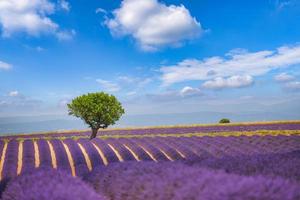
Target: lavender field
(245,161)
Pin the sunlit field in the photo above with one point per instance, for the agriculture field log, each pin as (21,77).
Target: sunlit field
(236,161)
(149,100)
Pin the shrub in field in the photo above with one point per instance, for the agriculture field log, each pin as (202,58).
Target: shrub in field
(224,121)
(98,110)
(148,180)
(48,185)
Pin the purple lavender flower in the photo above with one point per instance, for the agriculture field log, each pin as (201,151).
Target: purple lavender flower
(92,152)
(61,155)
(49,185)
(286,165)
(78,158)
(109,154)
(142,155)
(44,153)
(170,180)
(28,156)
(125,154)
(11,159)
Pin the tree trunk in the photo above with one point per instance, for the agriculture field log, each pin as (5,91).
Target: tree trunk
(94,133)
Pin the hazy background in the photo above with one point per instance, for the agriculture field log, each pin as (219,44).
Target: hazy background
(167,61)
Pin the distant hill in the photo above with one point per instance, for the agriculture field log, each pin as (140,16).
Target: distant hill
(60,122)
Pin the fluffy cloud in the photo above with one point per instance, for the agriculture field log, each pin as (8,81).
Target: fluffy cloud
(189,91)
(241,63)
(282,4)
(153,24)
(174,95)
(108,85)
(288,82)
(283,77)
(28,16)
(134,81)
(14,100)
(14,93)
(66,35)
(230,82)
(294,85)
(5,66)
(101,10)
(64,5)
(130,86)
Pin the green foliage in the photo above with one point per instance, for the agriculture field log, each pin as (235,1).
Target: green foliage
(98,110)
(224,120)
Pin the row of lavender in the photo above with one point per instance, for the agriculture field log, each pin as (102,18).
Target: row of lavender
(79,157)
(150,180)
(177,181)
(177,130)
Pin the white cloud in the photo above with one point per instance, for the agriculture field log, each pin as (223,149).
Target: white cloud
(189,91)
(283,77)
(288,81)
(27,16)
(108,85)
(175,95)
(294,85)
(5,66)
(134,81)
(101,10)
(282,4)
(64,5)
(66,35)
(240,63)
(126,79)
(129,85)
(14,93)
(15,103)
(230,82)
(153,24)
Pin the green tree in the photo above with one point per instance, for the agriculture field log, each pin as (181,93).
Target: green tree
(98,110)
(224,121)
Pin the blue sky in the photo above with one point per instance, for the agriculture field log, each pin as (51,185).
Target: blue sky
(155,56)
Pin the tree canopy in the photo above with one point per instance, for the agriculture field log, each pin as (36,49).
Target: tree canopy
(98,110)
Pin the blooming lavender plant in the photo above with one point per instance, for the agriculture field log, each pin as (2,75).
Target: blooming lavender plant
(286,165)
(166,180)
(28,156)
(126,155)
(92,152)
(44,153)
(61,156)
(11,159)
(49,185)
(78,158)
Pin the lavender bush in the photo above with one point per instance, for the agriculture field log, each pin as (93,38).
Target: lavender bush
(78,158)
(44,152)
(11,159)
(61,156)
(169,180)
(286,165)
(28,156)
(48,185)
